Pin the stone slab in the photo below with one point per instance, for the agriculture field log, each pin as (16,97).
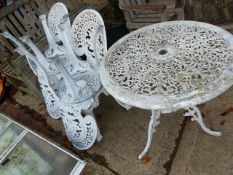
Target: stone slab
(203,154)
(125,134)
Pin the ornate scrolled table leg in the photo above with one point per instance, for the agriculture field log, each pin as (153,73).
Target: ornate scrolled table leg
(154,121)
(195,113)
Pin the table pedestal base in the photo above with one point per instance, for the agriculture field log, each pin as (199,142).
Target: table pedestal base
(195,113)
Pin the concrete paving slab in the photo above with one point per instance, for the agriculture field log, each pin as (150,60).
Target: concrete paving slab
(38,106)
(179,146)
(203,154)
(30,102)
(92,168)
(125,134)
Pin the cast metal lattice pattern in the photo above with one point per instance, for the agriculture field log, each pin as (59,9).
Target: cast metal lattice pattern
(88,36)
(55,15)
(175,59)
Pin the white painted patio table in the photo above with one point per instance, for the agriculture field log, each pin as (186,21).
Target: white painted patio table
(169,66)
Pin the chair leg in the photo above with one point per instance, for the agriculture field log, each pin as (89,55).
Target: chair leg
(99,135)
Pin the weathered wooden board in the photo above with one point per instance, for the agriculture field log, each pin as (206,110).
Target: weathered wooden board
(137,12)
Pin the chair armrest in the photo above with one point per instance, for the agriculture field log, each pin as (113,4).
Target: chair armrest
(146,7)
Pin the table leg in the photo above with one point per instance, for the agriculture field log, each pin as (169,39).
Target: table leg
(154,121)
(195,113)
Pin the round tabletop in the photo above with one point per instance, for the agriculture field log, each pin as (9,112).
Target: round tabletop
(169,65)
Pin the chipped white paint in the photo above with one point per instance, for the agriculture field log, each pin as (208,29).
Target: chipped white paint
(169,66)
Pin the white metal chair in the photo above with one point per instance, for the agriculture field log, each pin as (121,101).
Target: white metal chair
(81,130)
(73,70)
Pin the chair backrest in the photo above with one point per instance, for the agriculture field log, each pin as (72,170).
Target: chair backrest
(55,18)
(89,36)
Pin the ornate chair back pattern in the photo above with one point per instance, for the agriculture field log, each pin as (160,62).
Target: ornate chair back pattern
(89,37)
(55,16)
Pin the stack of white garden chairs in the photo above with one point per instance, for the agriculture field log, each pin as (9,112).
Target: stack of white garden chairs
(70,86)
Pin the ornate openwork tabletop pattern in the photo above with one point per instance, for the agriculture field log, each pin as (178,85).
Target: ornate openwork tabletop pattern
(169,65)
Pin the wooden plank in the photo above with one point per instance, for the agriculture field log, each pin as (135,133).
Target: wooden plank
(35,20)
(28,23)
(153,15)
(8,9)
(42,7)
(35,10)
(140,1)
(147,20)
(7,44)
(16,24)
(9,71)
(20,61)
(7,68)
(77,4)
(148,15)
(10,27)
(145,7)
(170,4)
(128,14)
(12,75)
(24,23)
(31,19)
(131,25)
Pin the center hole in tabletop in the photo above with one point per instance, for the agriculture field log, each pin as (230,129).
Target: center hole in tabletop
(163,52)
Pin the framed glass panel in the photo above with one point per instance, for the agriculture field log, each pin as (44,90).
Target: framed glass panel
(8,136)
